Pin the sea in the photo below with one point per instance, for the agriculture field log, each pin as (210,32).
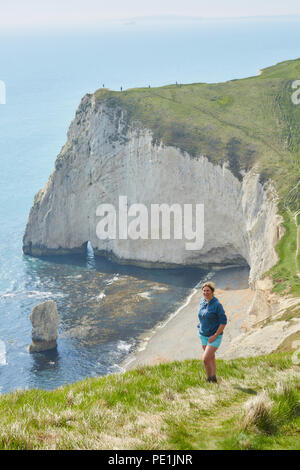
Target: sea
(104,307)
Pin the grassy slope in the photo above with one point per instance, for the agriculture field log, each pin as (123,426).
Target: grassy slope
(170,406)
(245,122)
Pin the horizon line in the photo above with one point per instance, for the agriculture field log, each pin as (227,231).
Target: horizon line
(131,20)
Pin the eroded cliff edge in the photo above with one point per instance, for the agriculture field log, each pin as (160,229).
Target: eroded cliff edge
(106,157)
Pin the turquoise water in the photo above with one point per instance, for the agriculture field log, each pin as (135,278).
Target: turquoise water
(102,311)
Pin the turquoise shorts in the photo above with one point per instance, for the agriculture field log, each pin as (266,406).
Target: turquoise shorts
(215,344)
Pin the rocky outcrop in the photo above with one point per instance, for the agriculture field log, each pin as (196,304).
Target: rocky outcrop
(268,306)
(104,158)
(271,322)
(44,319)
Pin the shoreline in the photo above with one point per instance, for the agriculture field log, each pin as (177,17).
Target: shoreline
(177,337)
(148,336)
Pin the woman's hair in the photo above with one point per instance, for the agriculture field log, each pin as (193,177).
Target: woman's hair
(210,285)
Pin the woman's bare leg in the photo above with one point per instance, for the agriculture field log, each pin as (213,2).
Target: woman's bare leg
(213,365)
(209,360)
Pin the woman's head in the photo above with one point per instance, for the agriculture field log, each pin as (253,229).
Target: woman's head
(208,289)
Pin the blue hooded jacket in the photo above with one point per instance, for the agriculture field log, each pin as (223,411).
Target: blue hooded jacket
(211,315)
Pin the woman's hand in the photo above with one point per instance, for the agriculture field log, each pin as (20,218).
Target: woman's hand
(217,333)
(212,338)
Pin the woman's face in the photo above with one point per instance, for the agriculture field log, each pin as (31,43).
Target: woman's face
(207,292)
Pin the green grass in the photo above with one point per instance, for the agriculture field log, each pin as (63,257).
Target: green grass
(255,405)
(285,272)
(244,122)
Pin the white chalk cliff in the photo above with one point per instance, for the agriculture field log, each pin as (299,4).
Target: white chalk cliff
(105,158)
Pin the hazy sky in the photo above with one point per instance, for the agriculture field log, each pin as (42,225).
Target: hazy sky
(39,13)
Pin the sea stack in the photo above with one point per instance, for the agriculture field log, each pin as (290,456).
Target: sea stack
(44,319)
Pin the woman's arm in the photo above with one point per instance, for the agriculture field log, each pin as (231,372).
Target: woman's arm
(217,333)
(219,330)
(222,322)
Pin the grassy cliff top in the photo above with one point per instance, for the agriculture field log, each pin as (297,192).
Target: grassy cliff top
(255,405)
(248,122)
(245,122)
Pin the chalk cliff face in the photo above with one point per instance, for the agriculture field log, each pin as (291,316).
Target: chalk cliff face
(105,158)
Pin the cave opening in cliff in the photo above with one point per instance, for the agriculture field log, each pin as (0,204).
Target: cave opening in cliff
(90,257)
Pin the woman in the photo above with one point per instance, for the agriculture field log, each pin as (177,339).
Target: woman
(212,320)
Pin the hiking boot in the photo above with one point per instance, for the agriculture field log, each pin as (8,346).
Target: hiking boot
(213,378)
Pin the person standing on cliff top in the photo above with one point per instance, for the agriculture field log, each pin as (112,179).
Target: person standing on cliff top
(212,321)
